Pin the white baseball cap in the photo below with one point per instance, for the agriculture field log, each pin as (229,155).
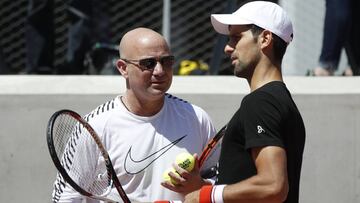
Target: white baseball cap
(264,14)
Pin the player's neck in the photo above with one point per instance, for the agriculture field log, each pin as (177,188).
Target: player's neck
(136,106)
(263,74)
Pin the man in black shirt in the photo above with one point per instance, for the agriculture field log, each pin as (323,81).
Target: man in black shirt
(262,149)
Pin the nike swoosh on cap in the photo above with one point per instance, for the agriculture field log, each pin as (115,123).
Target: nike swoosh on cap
(133,166)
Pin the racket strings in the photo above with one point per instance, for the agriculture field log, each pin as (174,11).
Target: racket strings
(80,156)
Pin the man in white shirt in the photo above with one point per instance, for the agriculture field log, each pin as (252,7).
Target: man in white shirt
(145,128)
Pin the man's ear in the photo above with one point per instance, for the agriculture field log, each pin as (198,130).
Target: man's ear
(122,67)
(266,38)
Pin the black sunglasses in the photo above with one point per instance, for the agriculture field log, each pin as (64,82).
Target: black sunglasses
(150,63)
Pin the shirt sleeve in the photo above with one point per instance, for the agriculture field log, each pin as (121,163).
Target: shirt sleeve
(262,120)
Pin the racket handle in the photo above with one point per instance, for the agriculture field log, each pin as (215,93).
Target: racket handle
(209,173)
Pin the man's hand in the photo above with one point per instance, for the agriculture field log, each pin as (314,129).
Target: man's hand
(187,181)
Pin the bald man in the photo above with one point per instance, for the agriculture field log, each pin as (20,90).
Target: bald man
(145,128)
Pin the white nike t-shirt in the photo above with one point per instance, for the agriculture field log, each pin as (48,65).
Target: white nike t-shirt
(142,148)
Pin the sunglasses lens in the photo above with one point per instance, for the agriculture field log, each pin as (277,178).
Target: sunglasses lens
(149,63)
(167,61)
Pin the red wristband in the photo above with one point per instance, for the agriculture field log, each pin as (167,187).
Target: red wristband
(205,194)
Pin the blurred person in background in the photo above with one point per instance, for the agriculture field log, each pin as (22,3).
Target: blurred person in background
(339,26)
(3,67)
(39,37)
(89,24)
(83,31)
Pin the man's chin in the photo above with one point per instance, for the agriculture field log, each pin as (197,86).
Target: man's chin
(241,73)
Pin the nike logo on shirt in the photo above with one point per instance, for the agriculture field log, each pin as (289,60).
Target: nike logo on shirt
(133,166)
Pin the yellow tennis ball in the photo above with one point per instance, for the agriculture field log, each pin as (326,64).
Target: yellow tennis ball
(185,161)
(166,176)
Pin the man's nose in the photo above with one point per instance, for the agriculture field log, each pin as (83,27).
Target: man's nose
(228,49)
(159,69)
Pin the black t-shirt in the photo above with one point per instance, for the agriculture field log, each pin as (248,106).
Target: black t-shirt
(267,117)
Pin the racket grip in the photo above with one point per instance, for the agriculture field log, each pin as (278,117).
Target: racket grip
(209,173)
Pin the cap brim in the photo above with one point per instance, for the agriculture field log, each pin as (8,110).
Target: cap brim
(221,22)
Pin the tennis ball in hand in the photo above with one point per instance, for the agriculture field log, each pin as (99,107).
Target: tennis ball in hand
(166,176)
(185,161)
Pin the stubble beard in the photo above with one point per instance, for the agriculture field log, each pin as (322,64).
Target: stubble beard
(240,69)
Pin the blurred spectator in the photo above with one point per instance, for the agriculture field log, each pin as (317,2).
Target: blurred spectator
(354,41)
(39,37)
(101,59)
(79,37)
(336,36)
(85,30)
(3,67)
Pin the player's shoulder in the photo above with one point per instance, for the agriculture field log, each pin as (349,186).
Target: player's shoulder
(182,106)
(176,100)
(271,90)
(273,95)
(101,111)
(180,103)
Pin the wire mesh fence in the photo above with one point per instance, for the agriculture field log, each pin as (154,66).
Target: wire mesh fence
(64,31)
(12,29)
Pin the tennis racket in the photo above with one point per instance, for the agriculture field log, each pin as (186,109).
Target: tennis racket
(80,157)
(210,146)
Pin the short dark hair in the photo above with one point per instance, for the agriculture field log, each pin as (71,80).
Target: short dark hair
(279,44)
